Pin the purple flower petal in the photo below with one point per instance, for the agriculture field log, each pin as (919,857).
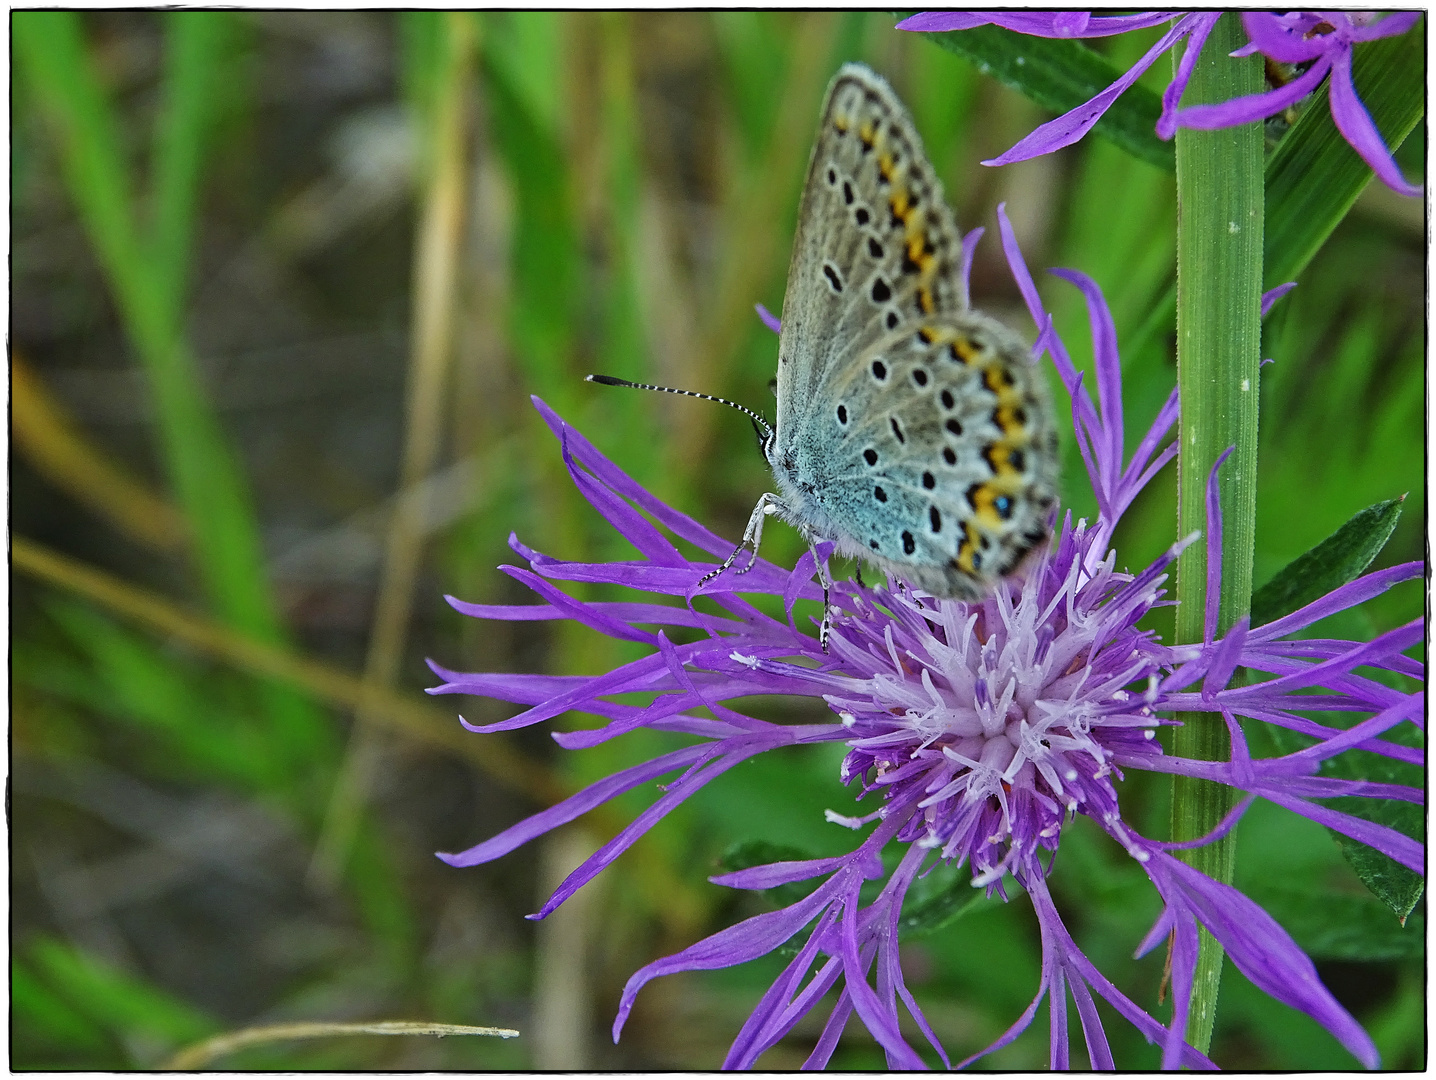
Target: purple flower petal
(1394,24)
(1284,38)
(1259,947)
(1062,24)
(770,320)
(964,270)
(1339,599)
(1214,549)
(1253,107)
(1198,27)
(1271,296)
(572,808)
(1071,126)
(1355,123)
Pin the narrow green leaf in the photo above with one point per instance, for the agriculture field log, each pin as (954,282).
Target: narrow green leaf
(50,52)
(179,705)
(1338,559)
(1060,74)
(1314,176)
(546,264)
(1396,886)
(754,60)
(204,470)
(198,51)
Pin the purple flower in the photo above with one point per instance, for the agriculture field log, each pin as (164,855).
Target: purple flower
(975,733)
(1322,39)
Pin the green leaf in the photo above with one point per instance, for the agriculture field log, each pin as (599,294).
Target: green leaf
(754,59)
(200,72)
(1060,74)
(1314,176)
(935,901)
(147,276)
(1338,559)
(193,727)
(1338,927)
(1396,886)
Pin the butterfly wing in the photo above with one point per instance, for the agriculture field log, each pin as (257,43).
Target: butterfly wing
(948,481)
(876,244)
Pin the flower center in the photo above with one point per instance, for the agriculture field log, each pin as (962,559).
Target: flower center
(999,721)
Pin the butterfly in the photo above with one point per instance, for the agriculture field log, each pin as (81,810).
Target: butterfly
(912,431)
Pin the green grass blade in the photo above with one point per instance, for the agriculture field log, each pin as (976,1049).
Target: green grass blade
(1219,235)
(198,54)
(50,49)
(129,1006)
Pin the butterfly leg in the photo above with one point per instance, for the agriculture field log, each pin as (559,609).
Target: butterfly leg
(752,537)
(826,627)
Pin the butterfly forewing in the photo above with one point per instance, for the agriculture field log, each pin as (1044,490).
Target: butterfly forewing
(876,244)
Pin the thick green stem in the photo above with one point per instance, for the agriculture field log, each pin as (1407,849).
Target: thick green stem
(1219,275)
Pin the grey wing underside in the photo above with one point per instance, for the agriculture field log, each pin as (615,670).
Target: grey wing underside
(876,244)
(946,474)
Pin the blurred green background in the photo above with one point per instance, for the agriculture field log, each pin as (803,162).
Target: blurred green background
(282,285)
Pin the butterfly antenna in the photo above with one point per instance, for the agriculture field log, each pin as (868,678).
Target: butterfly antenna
(608,380)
